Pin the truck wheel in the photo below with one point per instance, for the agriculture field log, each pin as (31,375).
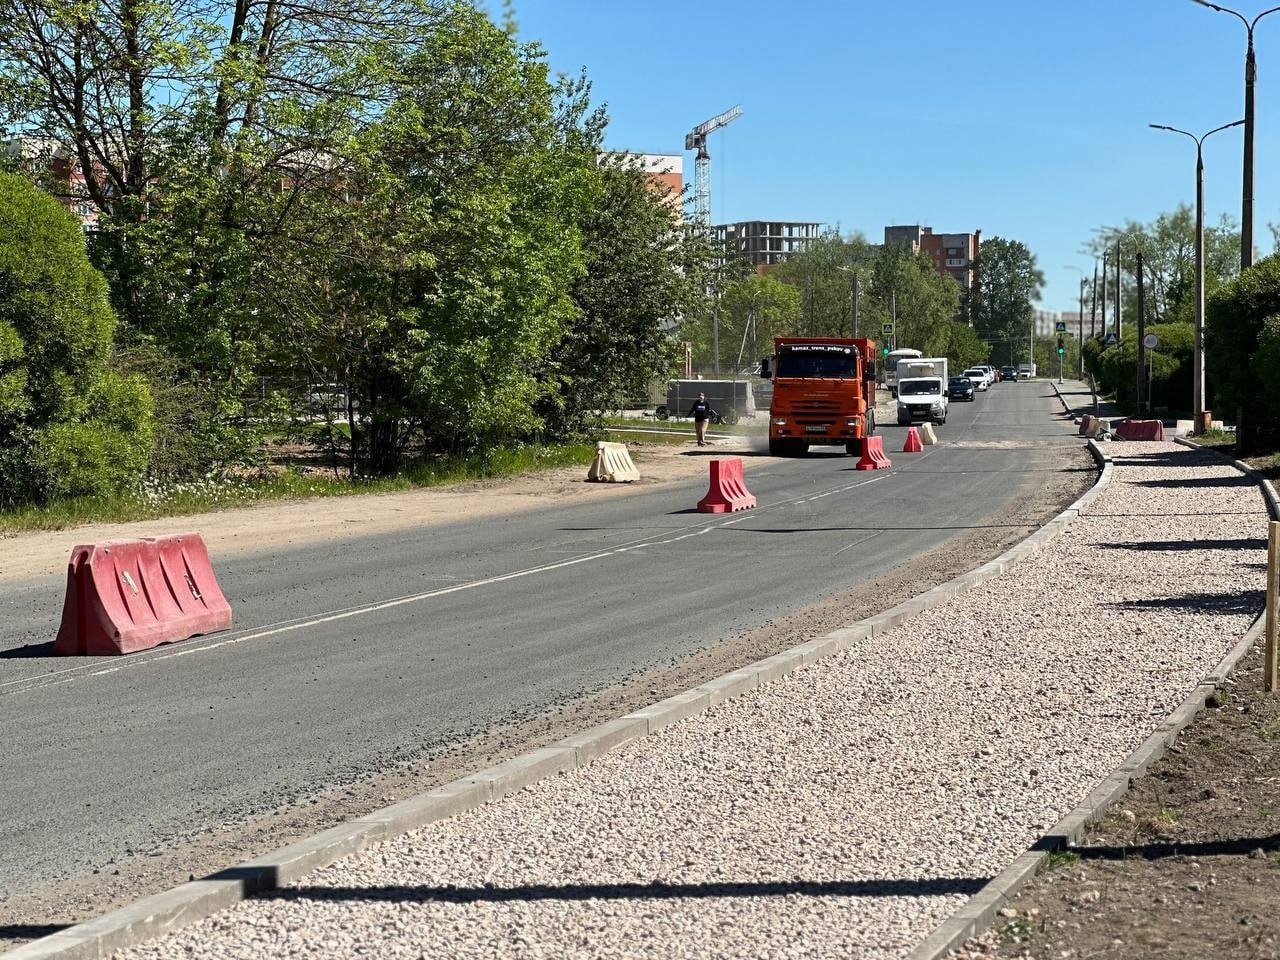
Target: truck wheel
(779,447)
(904,423)
(854,447)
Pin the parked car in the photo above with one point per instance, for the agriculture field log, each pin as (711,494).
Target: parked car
(978,376)
(993,375)
(1009,373)
(960,388)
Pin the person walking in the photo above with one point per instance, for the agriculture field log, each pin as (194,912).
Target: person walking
(701,412)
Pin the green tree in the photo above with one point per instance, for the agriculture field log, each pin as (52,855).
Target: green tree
(1009,285)
(642,274)
(753,310)
(69,424)
(822,274)
(907,289)
(1242,353)
(1168,262)
(442,292)
(965,348)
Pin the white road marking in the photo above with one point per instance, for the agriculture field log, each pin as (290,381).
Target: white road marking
(196,646)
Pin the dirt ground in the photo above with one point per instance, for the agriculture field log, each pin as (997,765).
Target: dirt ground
(1187,865)
(206,848)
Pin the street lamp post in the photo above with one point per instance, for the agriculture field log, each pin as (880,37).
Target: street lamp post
(853,300)
(1200,421)
(1250,79)
(1080,319)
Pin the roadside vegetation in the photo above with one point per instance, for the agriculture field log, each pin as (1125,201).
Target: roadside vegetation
(330,249)
(152,499)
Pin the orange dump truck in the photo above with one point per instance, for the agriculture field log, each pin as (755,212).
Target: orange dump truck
(823,393)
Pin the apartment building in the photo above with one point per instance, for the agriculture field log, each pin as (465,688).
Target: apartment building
(765,243)
(54,165)
(956,254)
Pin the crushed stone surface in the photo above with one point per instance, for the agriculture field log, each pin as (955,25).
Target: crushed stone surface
(845,810)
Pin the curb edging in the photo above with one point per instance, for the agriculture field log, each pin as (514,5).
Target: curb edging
(171,910)
(980,911)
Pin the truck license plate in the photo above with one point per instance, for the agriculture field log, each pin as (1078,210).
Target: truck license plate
(815,428)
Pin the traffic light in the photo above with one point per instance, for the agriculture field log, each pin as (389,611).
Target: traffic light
(1061,347)
(884,351)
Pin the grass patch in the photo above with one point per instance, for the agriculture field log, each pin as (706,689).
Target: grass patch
(1061,858)
(1217,438)
(155,500)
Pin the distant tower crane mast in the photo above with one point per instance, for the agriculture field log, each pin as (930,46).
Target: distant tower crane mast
(696,139)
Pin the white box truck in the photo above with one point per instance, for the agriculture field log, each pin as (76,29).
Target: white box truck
(922,390)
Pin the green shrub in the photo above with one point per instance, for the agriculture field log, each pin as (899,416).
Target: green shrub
(69,424)
(1242,355)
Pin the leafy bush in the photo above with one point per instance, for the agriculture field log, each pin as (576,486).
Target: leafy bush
(1115,368)
(69,424)
(1242,352)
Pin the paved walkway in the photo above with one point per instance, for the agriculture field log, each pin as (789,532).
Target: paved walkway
(845,810)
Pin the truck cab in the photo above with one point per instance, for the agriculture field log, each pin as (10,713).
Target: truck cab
(823,393)
(922,391)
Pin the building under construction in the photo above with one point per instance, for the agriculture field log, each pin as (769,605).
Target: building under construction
(765,243)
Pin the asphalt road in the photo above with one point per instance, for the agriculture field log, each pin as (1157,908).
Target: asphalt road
(349,656)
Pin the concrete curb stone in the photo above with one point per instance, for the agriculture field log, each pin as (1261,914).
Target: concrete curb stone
(181,906)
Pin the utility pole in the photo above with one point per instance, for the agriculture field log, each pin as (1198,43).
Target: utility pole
(1093,308)
(1142,332)
(853,309)
(1104,293)
(1250,80)
(1118,295)
(1080,338)
(1200,418)
(715,333)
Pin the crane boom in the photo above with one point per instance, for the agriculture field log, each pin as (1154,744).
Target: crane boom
(698,136)
(696,139)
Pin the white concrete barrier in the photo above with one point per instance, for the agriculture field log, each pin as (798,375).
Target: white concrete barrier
(613,464)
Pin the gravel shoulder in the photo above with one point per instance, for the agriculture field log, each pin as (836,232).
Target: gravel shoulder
(843,810)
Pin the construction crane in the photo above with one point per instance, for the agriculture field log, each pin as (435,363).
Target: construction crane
(696,139)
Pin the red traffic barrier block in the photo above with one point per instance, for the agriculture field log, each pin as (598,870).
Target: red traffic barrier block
(913,444)
(130,595)
(1140,430)
(728,492)
(873,457)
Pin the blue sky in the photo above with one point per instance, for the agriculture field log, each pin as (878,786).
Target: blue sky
(1023,118)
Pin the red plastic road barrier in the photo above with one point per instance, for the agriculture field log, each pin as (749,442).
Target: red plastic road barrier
(913,444)
(728,492)
(873,457)
(1140,430)
(129,595)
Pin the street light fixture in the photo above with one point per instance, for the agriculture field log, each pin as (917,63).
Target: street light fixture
(1250,79)
(1199,422)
